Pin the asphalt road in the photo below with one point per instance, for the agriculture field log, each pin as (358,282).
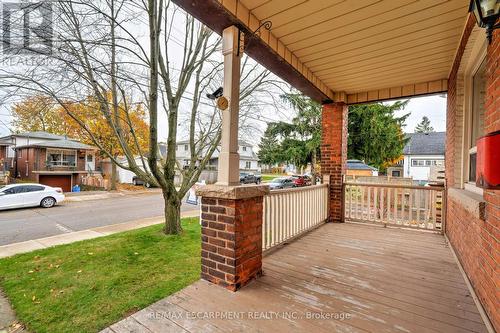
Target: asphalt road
(26,224)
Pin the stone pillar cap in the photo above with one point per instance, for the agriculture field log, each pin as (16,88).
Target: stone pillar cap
(232,192)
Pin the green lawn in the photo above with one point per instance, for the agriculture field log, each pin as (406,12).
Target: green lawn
(266,178)
(86,286)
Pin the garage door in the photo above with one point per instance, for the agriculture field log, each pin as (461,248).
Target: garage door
(62,181)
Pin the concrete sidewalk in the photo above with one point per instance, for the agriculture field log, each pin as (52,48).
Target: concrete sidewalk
(42,243)
(98,195)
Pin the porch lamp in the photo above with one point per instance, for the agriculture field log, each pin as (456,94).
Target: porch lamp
(486,13)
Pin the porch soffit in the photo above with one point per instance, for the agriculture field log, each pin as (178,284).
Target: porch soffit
(355,51)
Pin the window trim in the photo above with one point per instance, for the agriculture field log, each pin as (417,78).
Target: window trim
(480,52)
(62,150)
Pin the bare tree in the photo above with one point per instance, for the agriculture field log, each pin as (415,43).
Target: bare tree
(102,57)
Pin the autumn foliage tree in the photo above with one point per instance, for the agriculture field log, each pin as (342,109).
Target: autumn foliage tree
(42,113)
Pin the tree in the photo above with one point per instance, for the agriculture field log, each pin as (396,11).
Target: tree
(424,126)
(375,133)
(268,148)
(169,70)
(297,142)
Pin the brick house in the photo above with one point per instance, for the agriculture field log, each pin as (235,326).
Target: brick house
(50,159)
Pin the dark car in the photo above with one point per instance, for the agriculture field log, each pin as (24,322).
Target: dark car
(249,178)
(138,181)
(299,181)
(281,183)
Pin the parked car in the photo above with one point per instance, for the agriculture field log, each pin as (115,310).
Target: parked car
(300,180)
(249,178)
(29,195)
(281,183)
(138,181)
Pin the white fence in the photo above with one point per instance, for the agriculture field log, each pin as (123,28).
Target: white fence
(291,212)
(402,205)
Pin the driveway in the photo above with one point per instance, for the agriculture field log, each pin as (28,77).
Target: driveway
(26,224)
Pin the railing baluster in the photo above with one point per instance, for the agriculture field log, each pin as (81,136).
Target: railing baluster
(388,205)
(417,206)
(395,208)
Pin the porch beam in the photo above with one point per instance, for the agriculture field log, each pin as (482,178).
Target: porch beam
(405,91)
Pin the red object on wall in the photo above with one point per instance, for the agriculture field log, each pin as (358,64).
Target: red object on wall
(488,161)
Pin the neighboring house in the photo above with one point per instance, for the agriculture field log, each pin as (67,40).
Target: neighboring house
(423,155)
(50,159)
(248,158)
(357,168)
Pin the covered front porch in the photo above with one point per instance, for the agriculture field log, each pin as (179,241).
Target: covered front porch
(274,249)
(345,277)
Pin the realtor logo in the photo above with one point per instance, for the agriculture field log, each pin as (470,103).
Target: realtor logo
(27,27)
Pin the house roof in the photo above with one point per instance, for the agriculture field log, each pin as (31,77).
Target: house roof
(425,143)
(64,144)
(38,135)
(359,165)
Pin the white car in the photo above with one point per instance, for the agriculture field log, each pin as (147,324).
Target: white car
(29,195)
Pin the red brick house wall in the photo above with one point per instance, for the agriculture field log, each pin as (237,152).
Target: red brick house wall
(474,238)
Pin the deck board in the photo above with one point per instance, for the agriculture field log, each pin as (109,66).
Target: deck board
(386,280)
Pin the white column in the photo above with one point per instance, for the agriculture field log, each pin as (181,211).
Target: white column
(229,159)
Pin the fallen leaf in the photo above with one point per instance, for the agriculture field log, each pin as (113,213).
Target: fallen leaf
(79,271)
(33,298)
(136,253)
(90,253)
(30,272)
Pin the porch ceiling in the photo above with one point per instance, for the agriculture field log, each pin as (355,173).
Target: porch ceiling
(360,50)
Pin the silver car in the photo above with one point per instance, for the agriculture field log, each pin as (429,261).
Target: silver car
(281,183)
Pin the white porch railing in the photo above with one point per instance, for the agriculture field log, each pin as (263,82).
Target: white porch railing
(401,205)
(291,212)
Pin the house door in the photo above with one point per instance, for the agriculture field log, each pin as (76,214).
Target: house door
(89,162)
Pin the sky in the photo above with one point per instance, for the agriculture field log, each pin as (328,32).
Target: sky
(434,107)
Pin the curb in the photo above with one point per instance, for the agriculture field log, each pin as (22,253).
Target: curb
(71,237)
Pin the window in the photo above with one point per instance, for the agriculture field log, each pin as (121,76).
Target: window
(33,188)
(477,115)
(248,165)
(186,147)
(60,157)
(244,148)
(428,163)
(90,158)
(396,173)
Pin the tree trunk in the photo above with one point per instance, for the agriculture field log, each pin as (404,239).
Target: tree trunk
(113,176)
(172,214)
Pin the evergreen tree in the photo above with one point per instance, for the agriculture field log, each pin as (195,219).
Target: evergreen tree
(375,133)
(424,126)
(269,148)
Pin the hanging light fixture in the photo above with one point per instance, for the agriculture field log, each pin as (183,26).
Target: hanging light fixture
(486,13)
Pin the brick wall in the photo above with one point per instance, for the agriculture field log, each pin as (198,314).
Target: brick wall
(334,154)
(452,155)
(475,239)
(231,240)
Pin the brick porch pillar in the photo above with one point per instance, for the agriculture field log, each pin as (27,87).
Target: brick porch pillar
(231,234)
(334,154)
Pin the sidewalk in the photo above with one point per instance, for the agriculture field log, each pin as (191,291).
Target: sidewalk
(41,243)
(98,195)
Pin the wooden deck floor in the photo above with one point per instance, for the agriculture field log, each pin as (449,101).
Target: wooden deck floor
(377,279)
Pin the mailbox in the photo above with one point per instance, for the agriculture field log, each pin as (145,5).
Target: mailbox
(488,161)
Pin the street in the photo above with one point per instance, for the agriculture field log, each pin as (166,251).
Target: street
(31,223)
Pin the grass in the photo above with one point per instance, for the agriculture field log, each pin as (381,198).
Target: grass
(269,177)
(86,286)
